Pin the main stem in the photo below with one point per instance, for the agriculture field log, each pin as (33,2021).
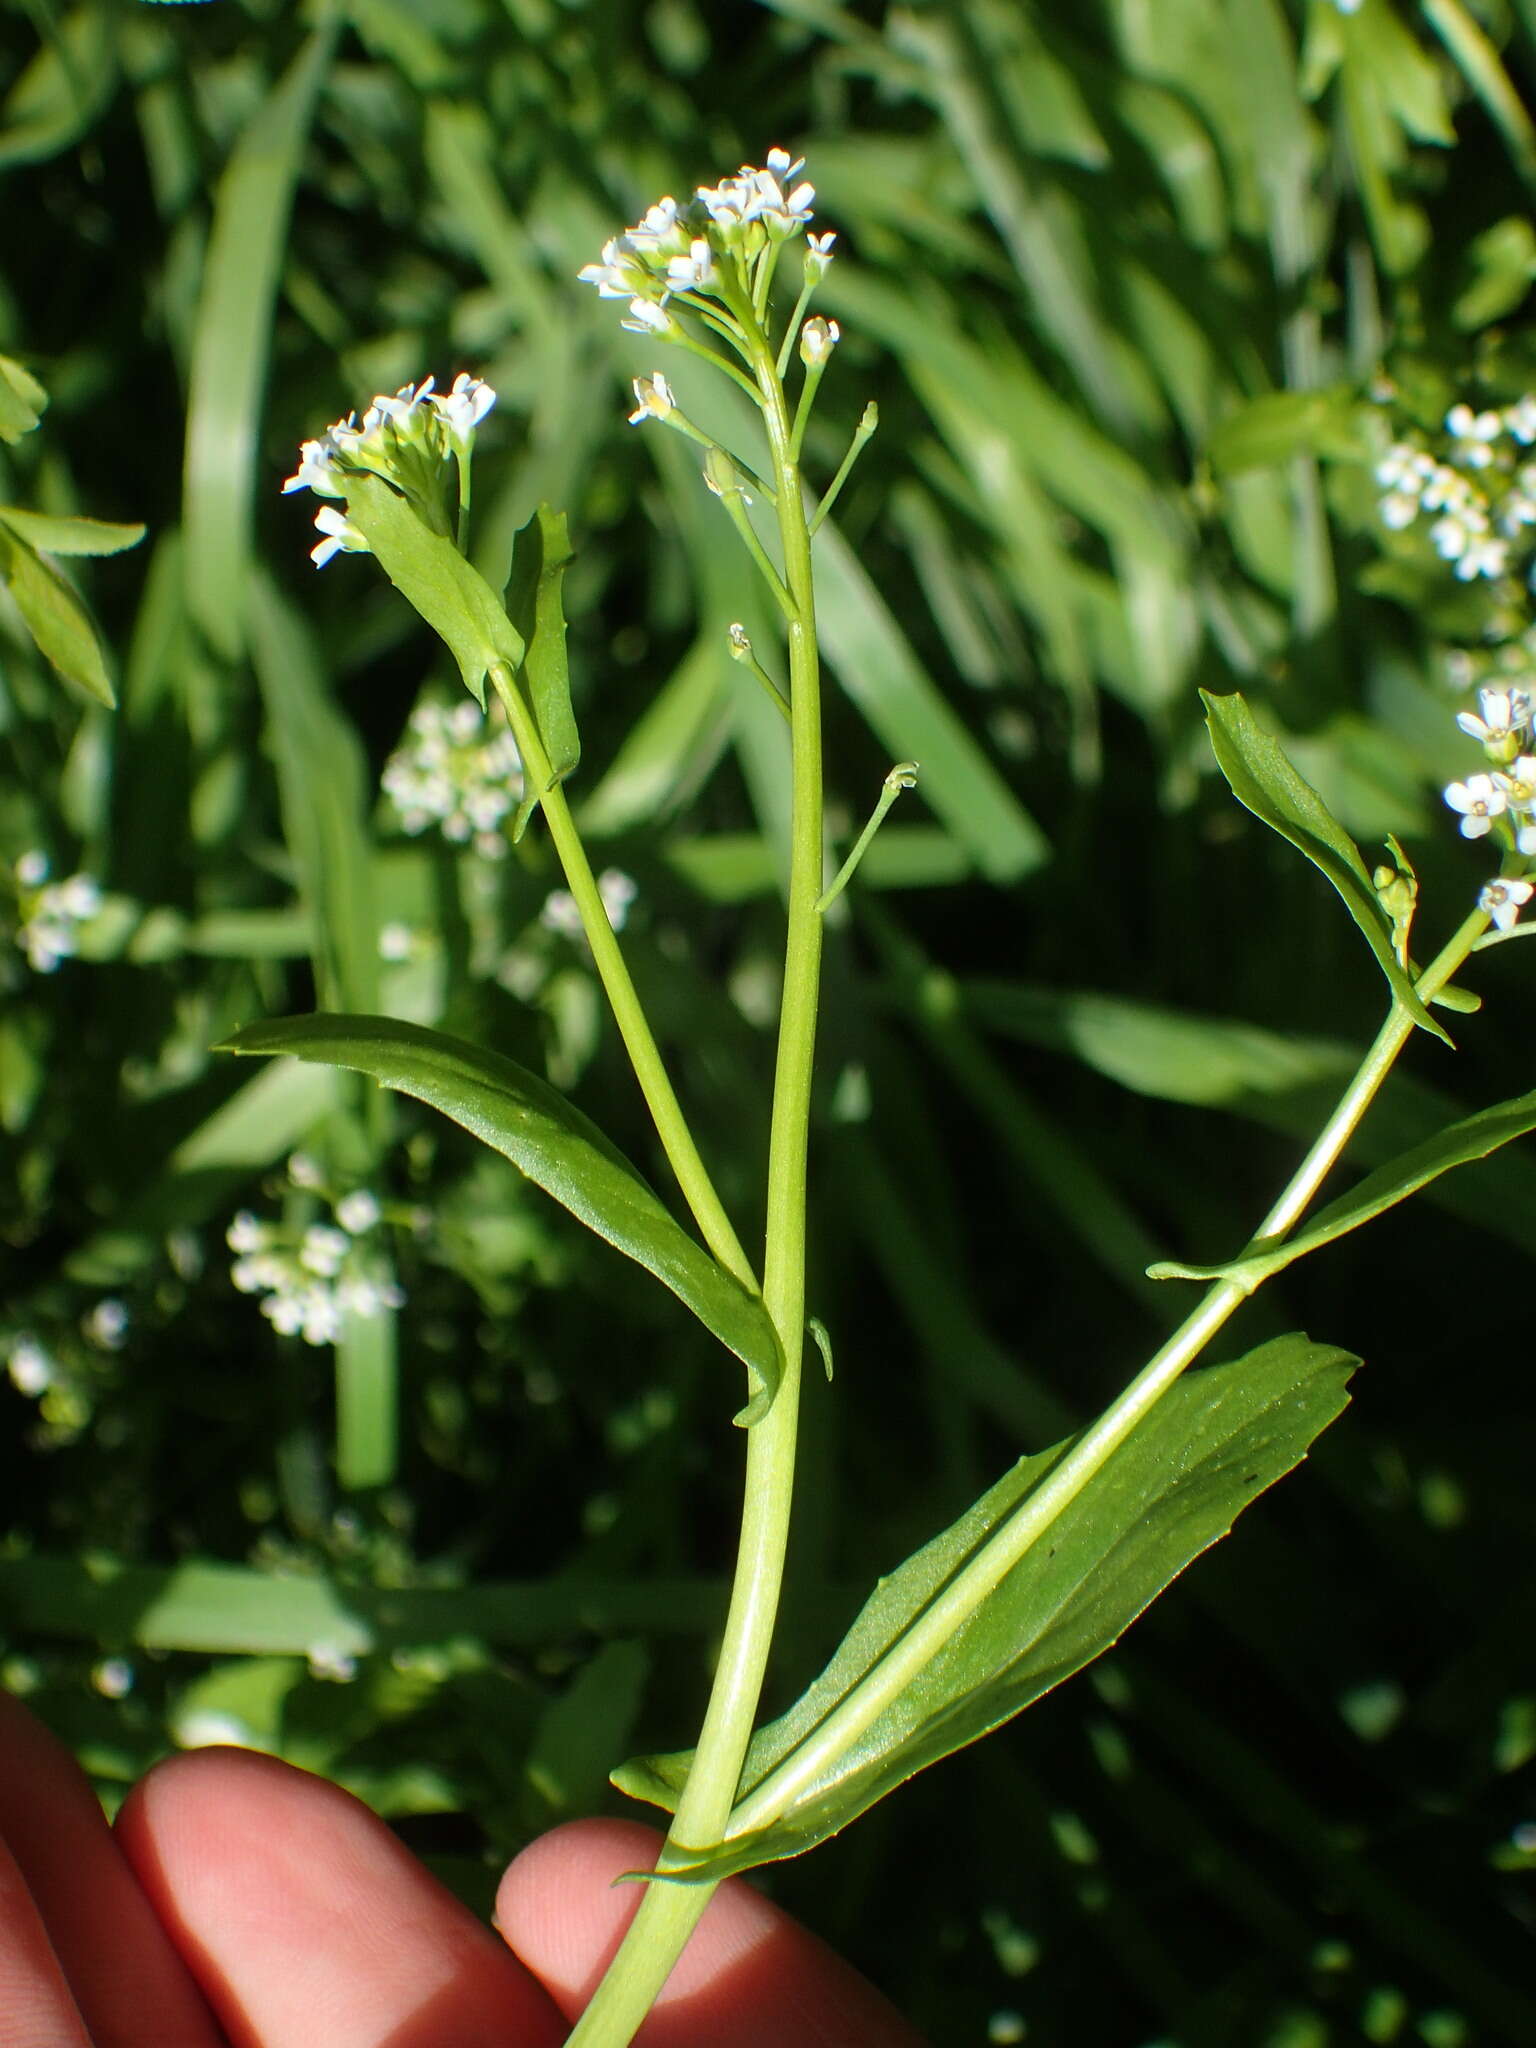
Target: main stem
(915,1648)
(669,1912)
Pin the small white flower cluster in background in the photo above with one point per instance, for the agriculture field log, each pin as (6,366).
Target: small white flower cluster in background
(311,1280)
(51,913)
(446,772)
(1503,800)
(32,1370)
(560,914)
(1481,501)
(405,439)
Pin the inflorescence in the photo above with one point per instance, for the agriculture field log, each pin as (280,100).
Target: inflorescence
(1481,501)
(714,255)
(50,914)
(408,440)
(449,772)
(313,1279)
(1502,801)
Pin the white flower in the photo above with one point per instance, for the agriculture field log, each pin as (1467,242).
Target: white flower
(1479,800)
(358,1211)
(107,1324)
(1518,782)
(396,942)
(1483,556)
(30,1367)
(303,1171)
(694,272)
(316,471)
(327,1662)
(659,233)
(340,536)
(653,399)
(818,338)
(1504,712)
(560,914)
(618,892)
(1520,420)
(618,276)
(1476,432)
(463,408)
(32,869)
(818,257)
(647,316)
(1503,899)
(113,1678)
(1398,510)
(323,1250)
(49,933)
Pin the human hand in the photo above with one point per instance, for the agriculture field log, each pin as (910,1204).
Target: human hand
(240,1903)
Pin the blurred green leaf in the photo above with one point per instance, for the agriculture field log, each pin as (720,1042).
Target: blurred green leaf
(241,273)
(23,400)
(70,536)
(549,1140)
(1281,424)
(1216,1440)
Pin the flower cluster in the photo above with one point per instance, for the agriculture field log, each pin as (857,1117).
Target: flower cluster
(617,890)
(679,250)
(408,440)
(1502,800)
(448,772)
(312,1280)
(51,913)
(1479,494)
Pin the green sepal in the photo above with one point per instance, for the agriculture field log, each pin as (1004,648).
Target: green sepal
(1471,1137)
(1264,781)
(1215,1441)
(520,1116)
(430,573)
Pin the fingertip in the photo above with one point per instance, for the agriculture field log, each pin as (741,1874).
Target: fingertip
(750,1974)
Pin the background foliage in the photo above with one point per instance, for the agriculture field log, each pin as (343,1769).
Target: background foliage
(1141,292)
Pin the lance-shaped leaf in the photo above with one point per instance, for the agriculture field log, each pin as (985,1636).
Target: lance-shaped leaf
(1473,1137)
(540,554)
(428,570)
(563,1152)
(1262,778)
(1175,1485)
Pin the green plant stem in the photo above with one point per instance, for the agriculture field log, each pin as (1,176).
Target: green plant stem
(655,1084)
(914,1649)
(669,1912)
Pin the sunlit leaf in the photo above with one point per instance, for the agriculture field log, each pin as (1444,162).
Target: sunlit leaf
(1213,1443)
(1263,780)
(559,1149)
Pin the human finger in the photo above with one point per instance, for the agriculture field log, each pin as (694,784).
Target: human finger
(303,1919)
(750,1975)
(126,1984)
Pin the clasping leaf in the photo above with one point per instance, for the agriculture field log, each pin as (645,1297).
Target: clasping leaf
(1177,1483)
(428,570)
(547,1138)
(1263,779)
